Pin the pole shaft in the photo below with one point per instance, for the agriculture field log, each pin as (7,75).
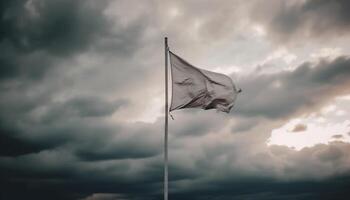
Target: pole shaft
(166,123)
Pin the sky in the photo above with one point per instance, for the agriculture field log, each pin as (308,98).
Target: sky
(82,100)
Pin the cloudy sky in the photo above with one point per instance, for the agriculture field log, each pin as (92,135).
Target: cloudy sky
(82,88)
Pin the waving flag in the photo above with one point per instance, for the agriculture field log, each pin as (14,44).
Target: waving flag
(198,88)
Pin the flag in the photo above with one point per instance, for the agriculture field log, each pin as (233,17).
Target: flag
(198,88)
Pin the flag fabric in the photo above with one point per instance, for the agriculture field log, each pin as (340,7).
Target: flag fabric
(198,88)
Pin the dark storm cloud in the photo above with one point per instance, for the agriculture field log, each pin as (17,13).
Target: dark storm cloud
(12,146)
(79,122)
(59,27)
(232,185)
(82,106)
(36,36)
(217,181)
(128,142)
(272,190)
(288,93)
(290,20)
(37,123)
(33,33)
(89,151)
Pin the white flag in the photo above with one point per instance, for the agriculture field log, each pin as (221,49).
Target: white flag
(198,88)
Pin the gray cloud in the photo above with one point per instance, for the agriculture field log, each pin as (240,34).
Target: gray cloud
(127,142)
(292,92)
(60,27)
(337,136)
(244,125)
(299,128)
(310,19)
(82,106)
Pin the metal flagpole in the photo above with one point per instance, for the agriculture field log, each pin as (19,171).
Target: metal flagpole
(166,123)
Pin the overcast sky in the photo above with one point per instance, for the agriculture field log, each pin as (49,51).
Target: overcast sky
(82,98)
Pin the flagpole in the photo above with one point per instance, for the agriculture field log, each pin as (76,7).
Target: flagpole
(166,123)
